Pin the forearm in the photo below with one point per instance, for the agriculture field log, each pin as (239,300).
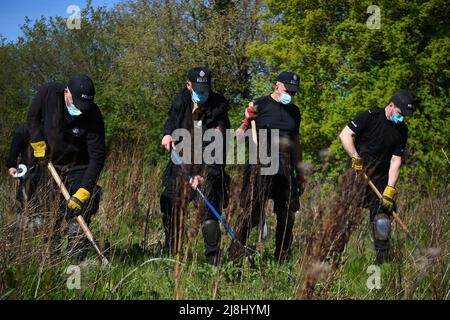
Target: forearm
(346,138)
(297,155)
(243,127)
(14,152)
(96,149)
(394,171)
(92,174)
(171,122)
(11,160)
(34,120)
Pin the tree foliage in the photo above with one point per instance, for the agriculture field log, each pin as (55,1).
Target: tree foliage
(346,67)
(138,54)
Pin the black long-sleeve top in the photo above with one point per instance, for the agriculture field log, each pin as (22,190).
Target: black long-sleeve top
(19,148)
(71,141)
(212,115)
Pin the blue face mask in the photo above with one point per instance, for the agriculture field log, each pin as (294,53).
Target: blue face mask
(286,98)
(199,97)
(397,118)
(73,111)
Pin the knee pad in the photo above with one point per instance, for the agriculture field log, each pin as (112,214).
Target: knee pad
(381,226)
(211,232)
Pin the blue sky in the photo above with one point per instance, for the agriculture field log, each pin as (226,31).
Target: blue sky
(12,13)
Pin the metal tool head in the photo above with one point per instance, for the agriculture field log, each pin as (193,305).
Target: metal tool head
(21,171)
(242,251)
(105,261)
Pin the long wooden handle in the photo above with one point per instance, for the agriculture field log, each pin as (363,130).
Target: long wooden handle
(79,218)
(394,214)
(261,219)
(58,181)
(254,135)
(253,124)
(66,195)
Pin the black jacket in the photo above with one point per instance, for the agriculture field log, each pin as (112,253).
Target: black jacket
(213,114)
(20,147)
(71,141)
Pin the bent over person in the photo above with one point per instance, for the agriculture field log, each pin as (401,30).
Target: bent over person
(197,107)
(66,127)
(379,145)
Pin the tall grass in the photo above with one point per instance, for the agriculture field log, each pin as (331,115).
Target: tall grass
(332,247)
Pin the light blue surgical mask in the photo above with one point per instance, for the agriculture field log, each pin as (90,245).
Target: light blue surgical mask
(286,98)
(397,118)
(73,111)
(200,97)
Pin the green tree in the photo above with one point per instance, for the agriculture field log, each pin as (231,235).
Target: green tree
(156,43)
(48,51)
(13,94)
(346,67)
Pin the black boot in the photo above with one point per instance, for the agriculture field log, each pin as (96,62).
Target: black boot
(283,235)
(211,236)
(381,252)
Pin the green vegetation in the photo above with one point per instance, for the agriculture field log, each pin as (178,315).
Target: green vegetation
(128,227)
(138,54)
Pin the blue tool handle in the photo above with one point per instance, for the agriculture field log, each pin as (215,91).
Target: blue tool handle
(210,206)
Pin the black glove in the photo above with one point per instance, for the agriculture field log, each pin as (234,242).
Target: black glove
(72,213)
(386,209)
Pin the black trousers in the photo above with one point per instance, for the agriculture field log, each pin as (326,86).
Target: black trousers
(379,176)
(26,189)
(78,243)
(174,202)
(41,200)
(258,189)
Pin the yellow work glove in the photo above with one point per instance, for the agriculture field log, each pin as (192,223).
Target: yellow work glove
(78,199)
(387,201)
(357,164)
(39,148)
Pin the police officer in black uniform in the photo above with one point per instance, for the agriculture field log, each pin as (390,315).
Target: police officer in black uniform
(67,128)
(379,145)
(197,107)
(274,111)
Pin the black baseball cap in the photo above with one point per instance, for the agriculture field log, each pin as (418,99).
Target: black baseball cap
(200,78)
(290,80)
(82,89)
(405,101)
